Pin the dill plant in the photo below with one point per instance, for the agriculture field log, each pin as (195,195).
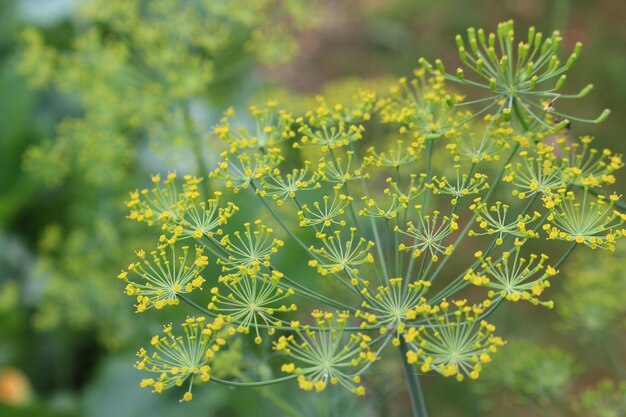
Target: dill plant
(385,225)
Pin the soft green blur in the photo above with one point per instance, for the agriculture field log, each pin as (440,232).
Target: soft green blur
(67,331)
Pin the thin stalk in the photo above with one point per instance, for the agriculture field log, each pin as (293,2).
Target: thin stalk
(377,241)
(429,154)
(198,149)
(254,384)
(566,255)
(415,390)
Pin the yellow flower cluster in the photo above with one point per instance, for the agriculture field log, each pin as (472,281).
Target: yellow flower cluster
(380,228)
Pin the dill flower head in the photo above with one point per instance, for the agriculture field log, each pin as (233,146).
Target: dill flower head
(162,275)
(176,359)
(326,355)
(453,341)
(373,238)
(524,78)
(593,221)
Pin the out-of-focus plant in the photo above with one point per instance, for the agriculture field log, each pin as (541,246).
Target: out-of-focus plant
(529,373)
(136,67)
(141,77)
(592,301)
(607,399)
(380,222)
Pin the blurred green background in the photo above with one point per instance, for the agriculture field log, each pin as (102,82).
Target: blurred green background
(72,146)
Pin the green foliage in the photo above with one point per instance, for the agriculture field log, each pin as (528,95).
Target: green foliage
(140,77)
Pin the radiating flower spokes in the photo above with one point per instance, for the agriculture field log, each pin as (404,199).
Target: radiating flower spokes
(454,343)
(495,220)
(271,127)
(340,254)
(402,154)
(423,106)
(239,171)
(400,199)
(281,187)
(325,213)
(482,147)
(512,276)
(536,174)
(593,221)
(428,234)
(338,170)
(326,355)
(391,306)
(583,165)
(180,210)
(529,74)
(161,204)
(462,185)
(249,251)
(251,302)
(330,127)
(177,359)
(160,279)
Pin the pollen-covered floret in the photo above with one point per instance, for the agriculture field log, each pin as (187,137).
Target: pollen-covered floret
(395,199)
(429,234)
(251,302)
(330,127)
(512,276)
(272,126)
(281,187)
(402,154)
(327,354)
(324,214)
(592,221)
(538,172)
(463,185)
(240,170)
(339,254)
(423,107)
(393,305)
(176,359)
(157,279)
(454,342)
(339,170)
(249,251)
(180,210)
(496,221)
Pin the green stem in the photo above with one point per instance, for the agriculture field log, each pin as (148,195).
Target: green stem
(519,115)
(566,255)
(415,390)
(429,154)
(256,383)
(198,150)
(618,204)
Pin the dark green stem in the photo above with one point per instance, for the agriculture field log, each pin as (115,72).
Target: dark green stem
(415,390)
(566,255)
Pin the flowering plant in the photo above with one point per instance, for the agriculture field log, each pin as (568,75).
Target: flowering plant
(376,225)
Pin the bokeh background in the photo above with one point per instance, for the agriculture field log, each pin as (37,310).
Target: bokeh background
(76,135)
